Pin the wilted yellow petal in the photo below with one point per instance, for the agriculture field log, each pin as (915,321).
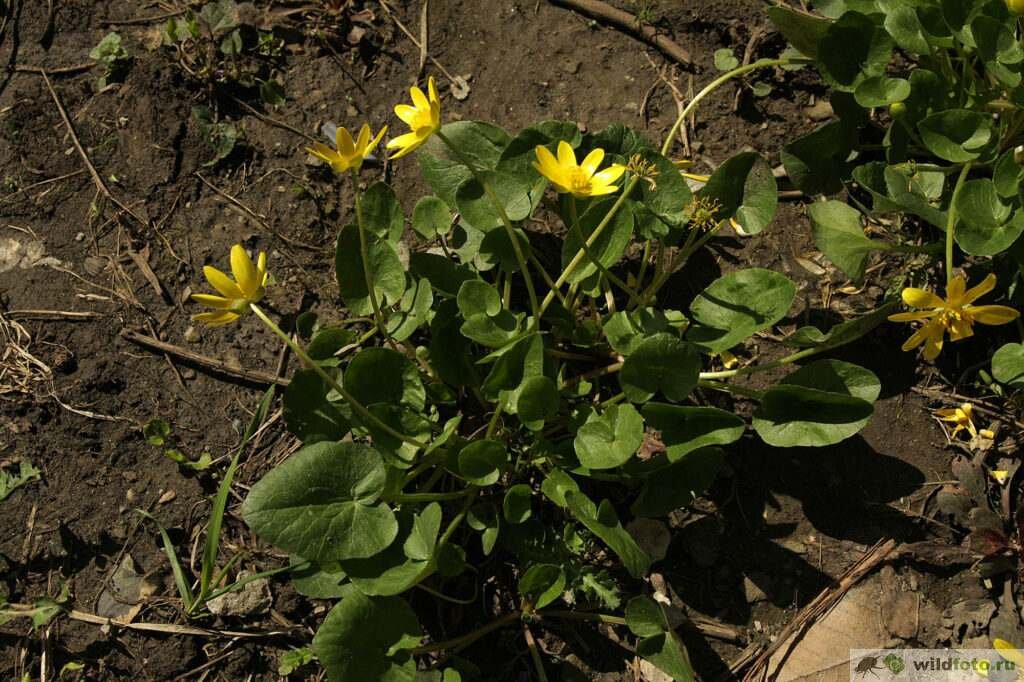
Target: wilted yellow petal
(919,298)
(993,314)
(974,293)
(913,316)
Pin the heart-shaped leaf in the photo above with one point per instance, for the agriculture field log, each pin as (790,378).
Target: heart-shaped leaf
(1008,365)
(660,363)
(736,305)
(610,439)
(322,503)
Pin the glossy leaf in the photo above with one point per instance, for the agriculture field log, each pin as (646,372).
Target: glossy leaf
(660,363)
(736,305)
(609,439)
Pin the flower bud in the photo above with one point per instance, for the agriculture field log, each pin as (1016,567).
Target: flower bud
(1018,154)
(899,109)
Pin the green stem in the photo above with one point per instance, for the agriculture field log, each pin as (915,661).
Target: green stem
(731,388)
(691,246)
(493,425)
(364,255)
(582,253)
(614,279)
(368,417)
(509,229)
(470,637)
(718,82)
(431,497)
(951,221)
(582,615)
(751,369)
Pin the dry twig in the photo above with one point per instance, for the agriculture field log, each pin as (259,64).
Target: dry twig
(625,21)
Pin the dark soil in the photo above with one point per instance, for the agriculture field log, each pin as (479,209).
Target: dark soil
(788,521)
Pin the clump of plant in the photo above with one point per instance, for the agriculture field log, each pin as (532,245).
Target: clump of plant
(217,49)
(479,408)
(111,55)
(930,128)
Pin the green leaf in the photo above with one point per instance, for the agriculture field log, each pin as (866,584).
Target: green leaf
(386,272)
(745,189)
(450,351)
(481,462)
(988,226)
(669,196)
(413,311)
(420,544)
(601,520)
(626,330)
(318,582)
(382,214)
(842,333)
(542,584)
(957,135)
(645,618)
(272,93)
(881,91)
(736,305)
(668,654)
(481,143)
(486,321)
(817,163)
(327,341)
(11,482)
(820,404)
(660,363)
(444,274)
(221,137)
(220,16)
(685,428)
(478,209)
(431,217)
(903,25)
(203,463)
(365,638)
(322,503)
(390,572)
(803,31)
(853,49)
(838,233)
(512,367)
(156,431)
(382,375)
(679,484)
(308,413)
(537,401)
(725,59)
(609,246)
(516,506)
(1007,365)
(609,439)
(293,659)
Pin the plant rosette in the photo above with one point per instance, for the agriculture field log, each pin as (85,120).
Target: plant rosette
(478,402)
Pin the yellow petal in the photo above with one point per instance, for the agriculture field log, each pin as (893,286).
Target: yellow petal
(323,152)
(405,144)
(221,282)
(375,141)
(993,314)
(343,139)
(955,291)
(432,89)
(406,113)
(210,301)
(597,190)
(974,293)
(960,329)
(593,161)
(261,268)
(1009,652)
(419,100)
(244,271)
(915,340)
(218,319)
(548,166)
(566,156)
(919,298)
(913,316)
(933,341)
(609,174)
(947,414)
(364,138)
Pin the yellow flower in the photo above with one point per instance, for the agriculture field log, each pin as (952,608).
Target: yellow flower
(1015,6)
(581,180)
(423,117)
(1010,653)
(955,314)
(348,153)
(962,416)
(248,287)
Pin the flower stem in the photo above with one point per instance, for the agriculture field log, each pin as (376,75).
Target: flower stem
(614,279)
(431,497)
(951,221)
(368,417)
(509,229)
(718,82)
(731,388)
(751,369)
(364,256)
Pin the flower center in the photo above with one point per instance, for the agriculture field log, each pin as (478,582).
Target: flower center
(579,181)
(423,123)
(952,316)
